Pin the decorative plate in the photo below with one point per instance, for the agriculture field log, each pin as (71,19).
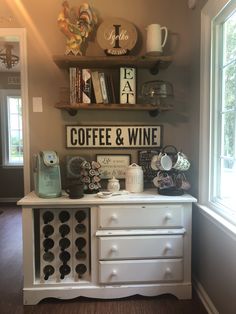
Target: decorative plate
(117,36)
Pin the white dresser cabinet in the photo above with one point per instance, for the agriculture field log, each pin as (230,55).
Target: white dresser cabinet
(138,243)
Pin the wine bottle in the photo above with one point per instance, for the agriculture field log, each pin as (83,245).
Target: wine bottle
(80,228)
(48,244)
(64,216)
(48,257)
(64,230)
(80,215)
(80,255)
(47,217)
(64,257)
(48,230)
(64,243)
(48,270)
(81,269)
(80,243)
(64,270)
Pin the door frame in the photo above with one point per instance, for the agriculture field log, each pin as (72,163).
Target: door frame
(20,34)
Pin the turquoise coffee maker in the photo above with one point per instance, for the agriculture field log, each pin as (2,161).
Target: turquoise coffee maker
(47,177)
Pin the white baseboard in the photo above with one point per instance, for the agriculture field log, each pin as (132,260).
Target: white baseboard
(203,296)
(9,199)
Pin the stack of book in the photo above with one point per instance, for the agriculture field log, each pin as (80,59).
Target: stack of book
(88,86)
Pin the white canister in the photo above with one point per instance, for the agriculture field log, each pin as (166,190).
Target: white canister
(113,185)
(134,178)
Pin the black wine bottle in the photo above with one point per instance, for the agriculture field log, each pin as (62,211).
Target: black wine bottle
(48,230)
(48,257)
(64,270)
(64,243)
(80,228)
(80,255)
(64,216)
(80,215)
(64,257)
(48,270)
(47,217)
(48,244)
(64,230)
(81,269)
(80,243)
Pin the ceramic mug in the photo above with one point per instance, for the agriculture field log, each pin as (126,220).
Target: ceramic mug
(154,43)
(164,162)
(163,180)
(181,182)
(182,162)
(75,190)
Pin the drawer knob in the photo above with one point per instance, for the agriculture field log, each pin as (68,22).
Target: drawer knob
(168,247)
(114,217)
(114,248)
(168,271)
(114,272)
(168,216)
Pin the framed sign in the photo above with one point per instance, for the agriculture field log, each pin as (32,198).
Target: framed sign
(117,36)
(134,136)
(127,85)
(113,165)
(144,160)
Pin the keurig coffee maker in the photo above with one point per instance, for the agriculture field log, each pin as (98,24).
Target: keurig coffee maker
(47,177)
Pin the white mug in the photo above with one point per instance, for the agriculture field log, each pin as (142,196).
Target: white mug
(164,162)
(154,43)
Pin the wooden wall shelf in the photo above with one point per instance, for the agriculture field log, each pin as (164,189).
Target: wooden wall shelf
(148,62)
(72,109)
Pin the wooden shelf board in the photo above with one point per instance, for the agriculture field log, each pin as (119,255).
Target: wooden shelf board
(82,106)
(64,61)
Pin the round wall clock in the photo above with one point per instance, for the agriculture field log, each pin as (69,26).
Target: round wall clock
(116,36)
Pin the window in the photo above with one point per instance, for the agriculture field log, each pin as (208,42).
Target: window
(220,156)
(224,109)
(12,129)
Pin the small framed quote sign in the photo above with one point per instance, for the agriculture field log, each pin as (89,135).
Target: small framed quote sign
(134,136)
(113,165)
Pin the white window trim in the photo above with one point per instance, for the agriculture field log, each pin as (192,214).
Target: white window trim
(210,10)
(4,126)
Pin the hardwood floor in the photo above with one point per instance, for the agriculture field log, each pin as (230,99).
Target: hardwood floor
(11,282)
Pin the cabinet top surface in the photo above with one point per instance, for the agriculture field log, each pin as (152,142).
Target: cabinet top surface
(146,197)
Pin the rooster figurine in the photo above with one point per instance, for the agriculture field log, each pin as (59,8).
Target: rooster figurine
(76,24)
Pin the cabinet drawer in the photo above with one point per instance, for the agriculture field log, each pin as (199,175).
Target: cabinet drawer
(140,271)
(140,247)
(140,216)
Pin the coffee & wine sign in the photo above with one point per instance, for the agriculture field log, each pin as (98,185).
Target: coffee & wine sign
(113,136)
(117,36)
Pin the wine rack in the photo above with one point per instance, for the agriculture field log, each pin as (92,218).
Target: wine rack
(64,245)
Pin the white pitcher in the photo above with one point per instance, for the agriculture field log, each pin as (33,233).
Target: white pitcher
(154,43)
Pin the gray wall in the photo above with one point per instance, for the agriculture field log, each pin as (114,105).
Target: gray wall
(214,258)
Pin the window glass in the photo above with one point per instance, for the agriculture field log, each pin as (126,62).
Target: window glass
(14,140)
